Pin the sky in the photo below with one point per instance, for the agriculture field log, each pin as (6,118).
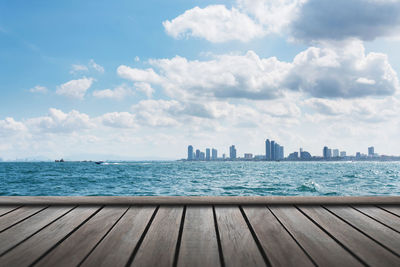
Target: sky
(144,79)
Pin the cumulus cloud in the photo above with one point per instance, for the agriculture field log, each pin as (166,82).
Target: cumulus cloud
(92,65)
(215,23)
(324,72)
(96,66)
(75,68)
(119,120)
(75,88)
(344,19)
(10,126)
(59,122)
(118,93)
(306,20)
(38,89)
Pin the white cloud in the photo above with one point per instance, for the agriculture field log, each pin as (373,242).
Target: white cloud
(10,126)
(92,65)
(119,120)
(38,89)
(323,72)
(75,88)
(144,88)
(75,68)
(215,23)
(118,93)
(96,66)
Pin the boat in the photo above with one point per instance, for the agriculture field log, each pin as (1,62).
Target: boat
(99,162)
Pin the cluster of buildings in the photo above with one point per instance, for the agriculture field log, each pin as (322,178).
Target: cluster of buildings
(199,155)
(273,151)
(329,153)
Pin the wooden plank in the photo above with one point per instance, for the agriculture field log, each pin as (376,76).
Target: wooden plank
(238,245)
(7,209)
(28,227)
(18,215)
(365,248)
(77,246)
(391,208)
(30,250)
(381,215)
(323,249)
(370,227)
(118,245)
(280,248)
(195,200)
(199,246)
(159,244)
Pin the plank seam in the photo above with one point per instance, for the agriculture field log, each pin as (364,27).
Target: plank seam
(383,208)
(104,236)
(334,238)
(10,211)
(139,243)
(375,219)
(65,237)
(253,233)
(295,240)
(19,243)
(362,232)
(23,219)
(178,242)
(221,255)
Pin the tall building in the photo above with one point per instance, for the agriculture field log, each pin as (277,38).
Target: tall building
(342,154)
(208,156)
(232,152)
(335,153)
(329,153)
(273,150)
(267,150)
(197,154)
(202,156)
(190,153)
(325,152)
(248,155)
(281,152)
(371,151)
(214,154)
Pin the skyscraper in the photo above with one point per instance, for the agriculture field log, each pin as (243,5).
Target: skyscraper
(273,150)
(325,152)
(202,156)
(190,153)
(232,152)
(267,149)
(214,154)
(208,154)
(197,154)
(277,151)
(335,153)
(371,151)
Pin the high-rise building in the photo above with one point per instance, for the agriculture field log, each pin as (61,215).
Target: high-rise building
(267,150)
(329,153)
(335,153)
(342,154)
(358,155)
(281,152)
(232,152)
(277,151)
(325,152)
(208,156)
(202,156)
(190,153)
(273,150)
(214,154)
(197,154)
(371,151)
(248,155)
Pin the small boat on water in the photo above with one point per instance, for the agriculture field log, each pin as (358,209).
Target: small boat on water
(99,162)
(61,160)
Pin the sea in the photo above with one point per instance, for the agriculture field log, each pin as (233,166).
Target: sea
(182,178)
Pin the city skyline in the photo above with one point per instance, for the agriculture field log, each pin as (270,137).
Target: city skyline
(141,79)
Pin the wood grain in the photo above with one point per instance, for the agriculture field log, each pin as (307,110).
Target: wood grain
(158,246)
(199,245)
(74,249)
(238,245)
(122,239)
(7,209)
(391,208)
(280,248)
(382,216)
(321,247)
(30,250)
(17,216)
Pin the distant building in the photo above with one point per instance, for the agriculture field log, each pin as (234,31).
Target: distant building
(232,152)
(293,156)
(214,154)
(197,154)
(248,155)
(358,155)
(259,157)
(342,154)
(335,153)
(224,156)
(190,153)
(281,152)
(273,150)
(267,149)
(202,156)
(208,156)
(327,153)
(305,155)
(371,151)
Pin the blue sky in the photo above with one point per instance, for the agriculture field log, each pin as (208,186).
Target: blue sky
(143,79)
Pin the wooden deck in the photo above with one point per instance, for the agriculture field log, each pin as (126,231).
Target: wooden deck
(184,231)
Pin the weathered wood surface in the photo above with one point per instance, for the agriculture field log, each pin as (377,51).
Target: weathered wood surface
(196,200)
(200,235)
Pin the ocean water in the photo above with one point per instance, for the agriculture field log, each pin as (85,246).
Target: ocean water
(201,178)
